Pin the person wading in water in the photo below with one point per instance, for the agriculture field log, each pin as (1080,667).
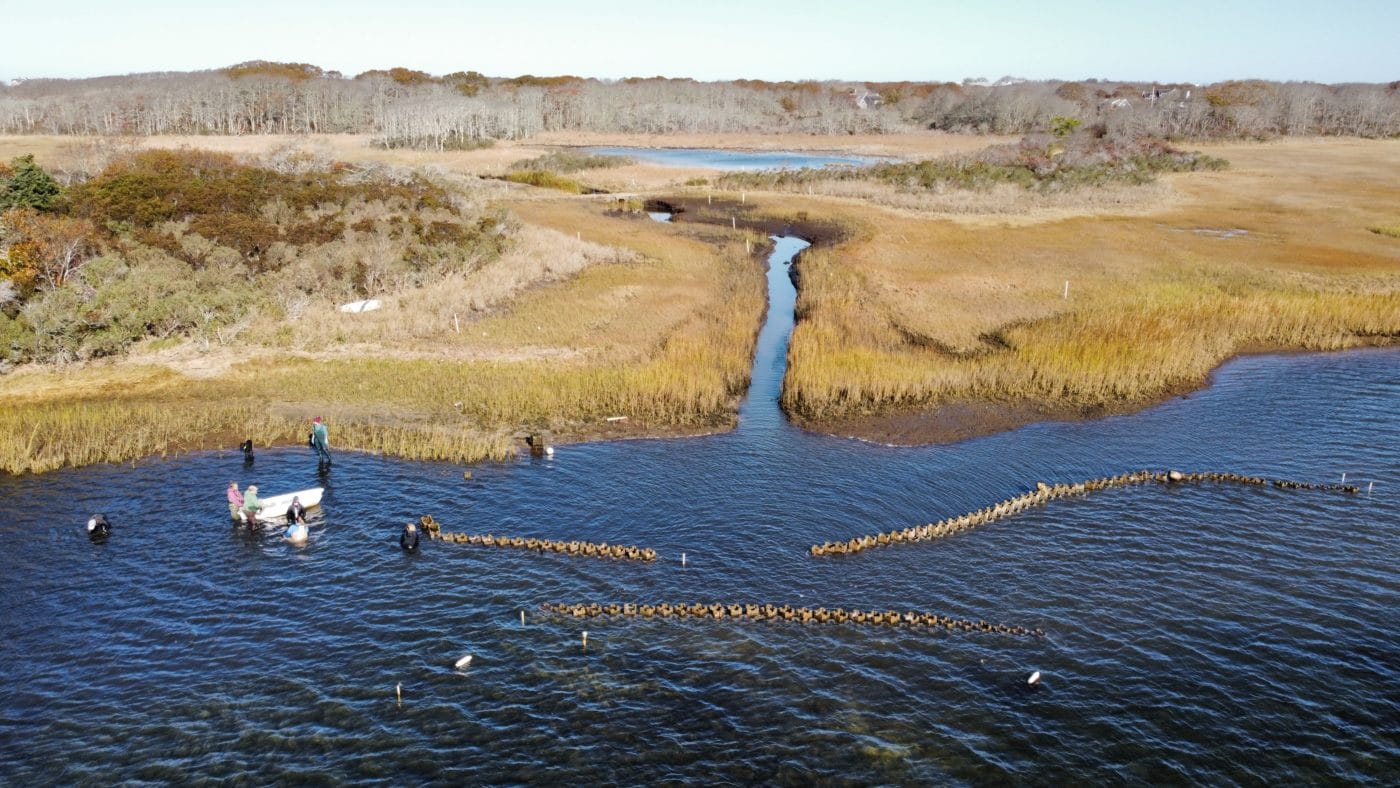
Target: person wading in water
(321,441)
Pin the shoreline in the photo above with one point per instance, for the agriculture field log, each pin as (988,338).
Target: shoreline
(963,420)
(941,425)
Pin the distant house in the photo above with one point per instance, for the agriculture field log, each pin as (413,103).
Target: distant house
(1177,96)
(865,99)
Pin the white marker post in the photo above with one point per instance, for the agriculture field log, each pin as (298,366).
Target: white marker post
(522,618)
(1066,288)
(585,640)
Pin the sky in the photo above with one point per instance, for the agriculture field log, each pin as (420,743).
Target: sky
(873,40)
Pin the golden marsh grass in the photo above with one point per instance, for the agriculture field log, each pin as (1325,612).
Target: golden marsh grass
(919,311)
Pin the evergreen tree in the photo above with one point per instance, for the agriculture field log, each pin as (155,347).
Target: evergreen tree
(28,186)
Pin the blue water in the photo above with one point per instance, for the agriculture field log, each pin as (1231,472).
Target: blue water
(711,158)
(1203,634)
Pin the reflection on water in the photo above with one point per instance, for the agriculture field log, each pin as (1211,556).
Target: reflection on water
(714,159)
(1201,633)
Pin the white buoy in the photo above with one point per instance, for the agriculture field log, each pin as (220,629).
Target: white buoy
(585,638)
(463,662)
(522,618)
(1034,679)
(549,451)
(92,523)
(682,559)
(398,693)
(1344,478)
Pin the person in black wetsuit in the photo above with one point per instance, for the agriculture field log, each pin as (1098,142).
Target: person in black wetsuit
(296,513)
(98,527)
(408,540)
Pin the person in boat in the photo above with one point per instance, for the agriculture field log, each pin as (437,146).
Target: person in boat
(321,441)
(235,500)
(99,527)
(251,505)
(408,540)
(296,513)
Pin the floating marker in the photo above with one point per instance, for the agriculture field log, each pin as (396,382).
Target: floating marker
(465,661)
(549,451)
(1370,487)
(585,638)
(1344,478)
(682,559)
(1034,679)
(398,693)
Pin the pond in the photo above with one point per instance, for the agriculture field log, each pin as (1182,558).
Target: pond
(1194,633)
(714,159)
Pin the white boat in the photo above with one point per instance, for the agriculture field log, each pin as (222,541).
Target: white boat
(367,305)
(274,507)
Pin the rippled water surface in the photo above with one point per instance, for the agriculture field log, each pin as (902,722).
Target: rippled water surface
(1205,633)
(713,158)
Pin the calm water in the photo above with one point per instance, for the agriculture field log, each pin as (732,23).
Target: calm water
(732,159)
(1198,634)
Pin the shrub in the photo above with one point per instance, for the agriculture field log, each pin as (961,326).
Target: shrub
(1035,163)
(194,240)
(26,185)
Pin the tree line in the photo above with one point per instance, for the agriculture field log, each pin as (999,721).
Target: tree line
(404,107)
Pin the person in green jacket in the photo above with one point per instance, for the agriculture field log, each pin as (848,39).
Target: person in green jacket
(251,505)
(321,441)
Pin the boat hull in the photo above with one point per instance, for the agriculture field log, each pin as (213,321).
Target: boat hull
(274,507)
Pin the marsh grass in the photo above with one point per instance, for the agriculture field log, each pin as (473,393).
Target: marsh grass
(545,179)
(645,322)
(1036,171)
(1388,230)
(912,313)
(569,161)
